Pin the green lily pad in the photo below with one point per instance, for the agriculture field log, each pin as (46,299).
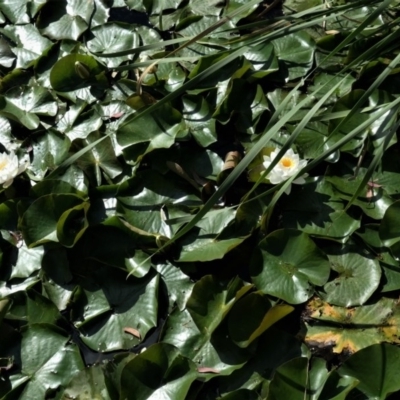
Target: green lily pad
(389,229)
(16,12)
(178,284)
(72,224)
(49,361)
(157,130)
(263,59)
(100,158)
(159,372)
(382,380)
(390,266)
(197,115)
(245,327)
(197,331)
(65,19)
(88,384)
(33,308)
(66,76)
(49,150)
(28,261)
(374,201)
(274,348)
(301,377)
(241,394)
(13,112)
(112,38)
(358,278)
(111,304)
(36,100)
(208,241)
(41,220)
(30,44)
(287,264)
(296,51)
(315,210)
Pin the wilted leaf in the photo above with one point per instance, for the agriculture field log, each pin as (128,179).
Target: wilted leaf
(205,370)
(351,329)
(133,332)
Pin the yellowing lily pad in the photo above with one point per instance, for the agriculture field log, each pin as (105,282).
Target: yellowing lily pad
(352,329)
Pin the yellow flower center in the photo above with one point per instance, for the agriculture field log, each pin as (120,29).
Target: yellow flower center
(287,162)
(3,164)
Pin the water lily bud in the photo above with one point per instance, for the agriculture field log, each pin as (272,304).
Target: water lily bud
(82,70)
(161,241)
(232,159)
(138,101)
(153,69)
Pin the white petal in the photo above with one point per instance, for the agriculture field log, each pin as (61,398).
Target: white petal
(299,181)
(275,178)
(288,189)
(8,183)
(302,164)
(267,159)
(266,164)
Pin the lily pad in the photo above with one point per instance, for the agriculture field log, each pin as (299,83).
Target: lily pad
(110,38)
(317,211)
(380,382)
(287,264)
(65,19)
(173,378)
(351,329)
(76,71)
(208,242)
(40,221)
(88,384)
(30,44)
(111,303)
(358,278)
(244,327)
(389,229)
(296,51)
(49,361)
(196,329)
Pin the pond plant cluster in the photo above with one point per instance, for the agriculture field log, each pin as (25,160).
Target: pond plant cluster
(200,199)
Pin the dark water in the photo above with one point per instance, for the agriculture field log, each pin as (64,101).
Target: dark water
(123,14)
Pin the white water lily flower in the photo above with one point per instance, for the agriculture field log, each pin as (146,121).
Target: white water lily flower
(10,144)
(10,168)
(290,164)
